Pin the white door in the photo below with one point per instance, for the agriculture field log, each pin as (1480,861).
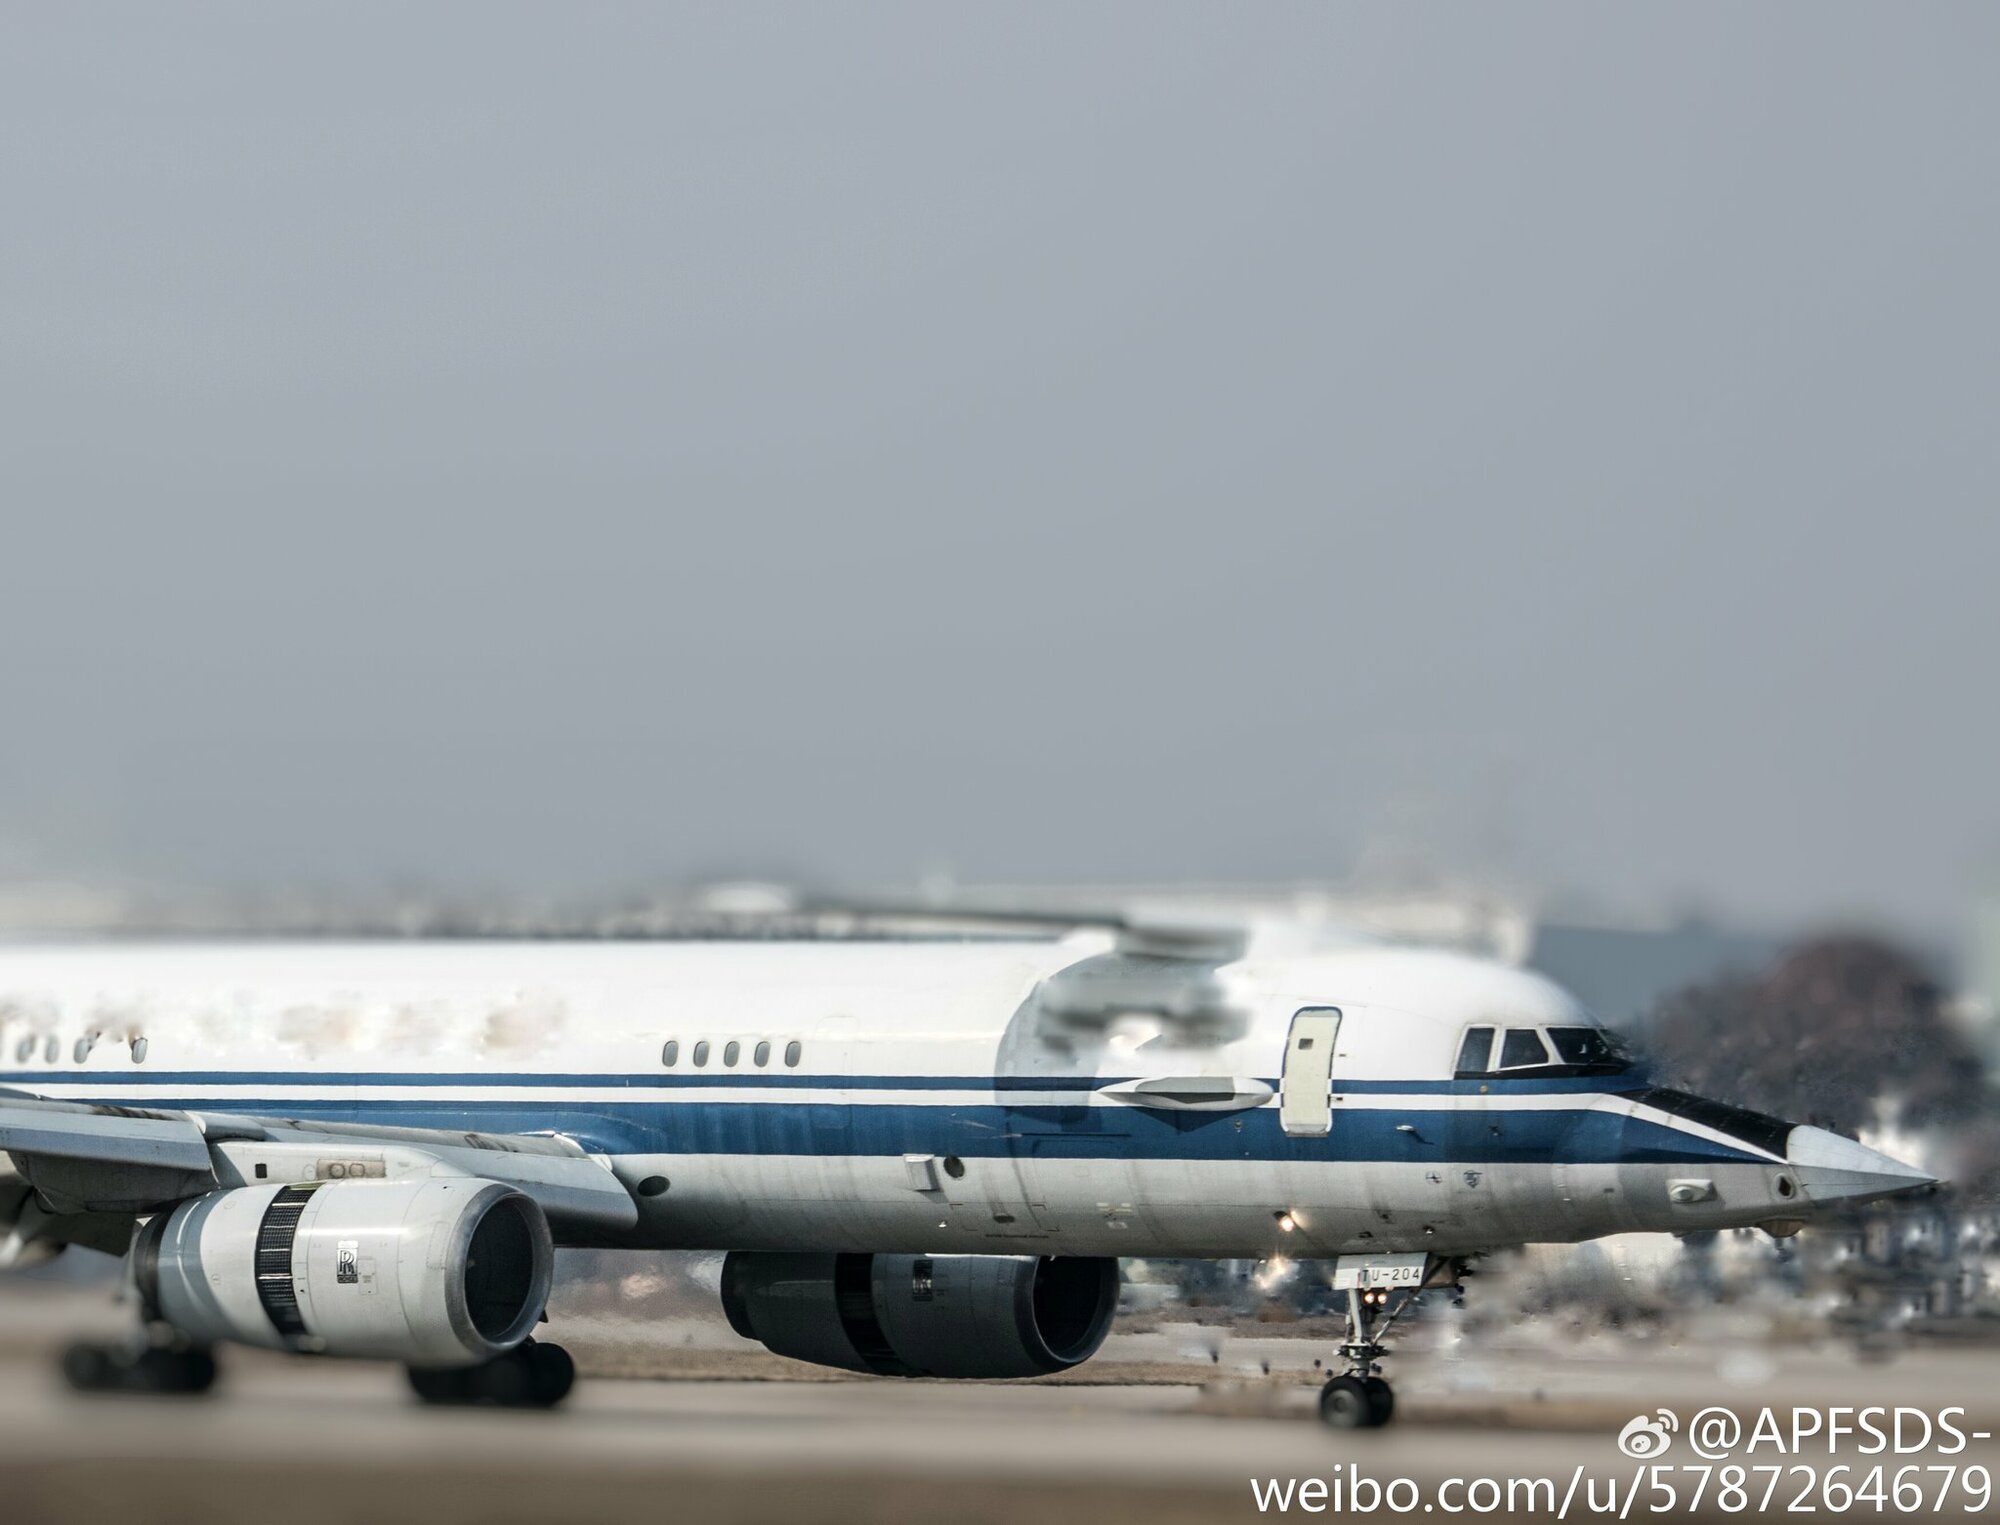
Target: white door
(1305,1102)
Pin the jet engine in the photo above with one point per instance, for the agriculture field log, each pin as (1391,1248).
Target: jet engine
(437,1272)
(924,1315)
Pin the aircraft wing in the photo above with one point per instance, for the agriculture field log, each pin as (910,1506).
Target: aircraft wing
(84,1158)
(108,1136)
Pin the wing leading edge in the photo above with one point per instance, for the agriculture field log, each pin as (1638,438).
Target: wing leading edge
(84,1158)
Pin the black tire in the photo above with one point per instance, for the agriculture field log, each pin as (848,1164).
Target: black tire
(532,1376)
(175,1371)
(551,1374)
(503,1381)
(201,1370)
(1381,1401)
(441,1385)
(1344,1405)
(87,1368)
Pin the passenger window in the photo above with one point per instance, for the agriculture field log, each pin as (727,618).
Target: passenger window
(24,1049)
(1475,1054)
(792,1054)
(1522,1048)
(670,1055)
(701,1053)
(731,1052)
(138,1050)
(762,1054)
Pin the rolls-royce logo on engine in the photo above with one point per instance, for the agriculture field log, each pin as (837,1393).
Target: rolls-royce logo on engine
(347,1262)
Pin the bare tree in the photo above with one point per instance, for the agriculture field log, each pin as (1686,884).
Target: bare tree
(1838,1032)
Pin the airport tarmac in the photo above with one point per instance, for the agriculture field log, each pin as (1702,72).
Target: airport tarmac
(311,1441)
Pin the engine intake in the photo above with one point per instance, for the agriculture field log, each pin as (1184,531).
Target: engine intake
(434,1273)
(924,1315)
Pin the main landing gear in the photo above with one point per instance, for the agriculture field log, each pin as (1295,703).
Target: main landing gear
(530,1376)
(139,1366)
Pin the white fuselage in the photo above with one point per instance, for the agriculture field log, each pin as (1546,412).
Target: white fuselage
(910,1096)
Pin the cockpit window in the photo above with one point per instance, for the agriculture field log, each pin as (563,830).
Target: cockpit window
(1523,1047)
(1549,1053)
(1475,1054)
(1591,1049)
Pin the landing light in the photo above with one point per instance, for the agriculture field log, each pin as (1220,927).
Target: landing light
(1285,1220)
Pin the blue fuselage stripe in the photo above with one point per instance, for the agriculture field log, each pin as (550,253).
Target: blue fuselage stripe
(837,1127)
(750,1080)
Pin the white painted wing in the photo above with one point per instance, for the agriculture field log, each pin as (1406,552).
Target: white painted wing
(70,1130)
(106,1158)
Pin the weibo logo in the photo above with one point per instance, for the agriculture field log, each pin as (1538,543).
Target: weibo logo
(1647,1436)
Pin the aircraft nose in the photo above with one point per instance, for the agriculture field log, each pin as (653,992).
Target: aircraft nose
(1834,1169)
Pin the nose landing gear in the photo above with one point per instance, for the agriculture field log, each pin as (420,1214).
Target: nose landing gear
(1356,1403)
(1359,1398)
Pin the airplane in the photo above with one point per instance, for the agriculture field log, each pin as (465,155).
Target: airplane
(923,1156)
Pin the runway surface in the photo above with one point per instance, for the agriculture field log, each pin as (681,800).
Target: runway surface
(308,1441)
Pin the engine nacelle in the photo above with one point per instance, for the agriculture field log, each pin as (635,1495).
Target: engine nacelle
(437,1272)
(924,1315)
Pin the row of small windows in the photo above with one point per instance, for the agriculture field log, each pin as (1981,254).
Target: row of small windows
(51,1048)
(732,1051)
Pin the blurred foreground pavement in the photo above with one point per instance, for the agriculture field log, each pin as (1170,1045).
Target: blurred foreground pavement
(308,1442)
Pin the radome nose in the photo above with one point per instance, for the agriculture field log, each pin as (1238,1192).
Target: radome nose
(1834,1169)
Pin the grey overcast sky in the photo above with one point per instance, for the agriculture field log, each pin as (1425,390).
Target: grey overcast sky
(559,447)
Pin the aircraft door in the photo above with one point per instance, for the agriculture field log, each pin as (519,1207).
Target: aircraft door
(1305,1104)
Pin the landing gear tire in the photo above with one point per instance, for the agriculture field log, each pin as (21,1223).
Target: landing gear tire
(1381,1401)
(87,1368)
(502,1383)
(551,1374)
(1344,1405)
(1356,1403)
(531,1376)
(154,1369)
(441,1385)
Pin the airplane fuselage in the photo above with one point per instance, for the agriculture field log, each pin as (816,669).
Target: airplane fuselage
(938,1097)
